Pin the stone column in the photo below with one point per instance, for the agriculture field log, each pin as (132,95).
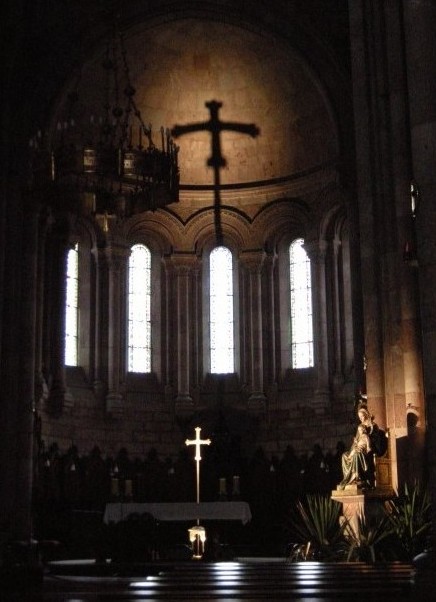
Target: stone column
(98,256)
(41,387)
(184,266)
(365,49)
(252,261)
(117,255)
(270,350)
(197,343)
(168,337)
(338,374)
(22,458)
(317,254)
(420,40)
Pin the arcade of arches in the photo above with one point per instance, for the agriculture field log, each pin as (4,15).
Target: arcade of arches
(344,128)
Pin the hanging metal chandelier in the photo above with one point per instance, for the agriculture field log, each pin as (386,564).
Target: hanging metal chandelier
(110,159)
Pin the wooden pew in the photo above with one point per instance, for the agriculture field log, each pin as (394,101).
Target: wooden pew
(248,580)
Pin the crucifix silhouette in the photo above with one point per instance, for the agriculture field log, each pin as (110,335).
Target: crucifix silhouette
(216,160)
(197,535)
(198,441)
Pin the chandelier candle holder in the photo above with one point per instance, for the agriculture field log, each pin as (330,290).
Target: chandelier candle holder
(111,161)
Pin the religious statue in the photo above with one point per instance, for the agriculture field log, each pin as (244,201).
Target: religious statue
(358,466)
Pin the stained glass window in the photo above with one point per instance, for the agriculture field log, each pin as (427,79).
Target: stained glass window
(301,306)
(139,312)
(72,307)
(222,349)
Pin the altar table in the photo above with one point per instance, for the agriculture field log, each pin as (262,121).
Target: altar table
(184,511)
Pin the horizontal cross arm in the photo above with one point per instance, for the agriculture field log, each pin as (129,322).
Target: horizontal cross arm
(249,128)
(180,130)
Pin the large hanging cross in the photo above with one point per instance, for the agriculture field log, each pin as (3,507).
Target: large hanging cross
(216,160)
(198,441)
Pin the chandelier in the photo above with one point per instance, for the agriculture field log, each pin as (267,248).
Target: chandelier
(109,159)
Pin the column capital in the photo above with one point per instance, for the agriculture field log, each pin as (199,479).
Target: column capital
(337,243)
(252,259)
(270,258)
(116,254)
(183,262)
(316,249)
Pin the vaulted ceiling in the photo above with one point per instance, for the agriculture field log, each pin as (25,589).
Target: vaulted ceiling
(177,66)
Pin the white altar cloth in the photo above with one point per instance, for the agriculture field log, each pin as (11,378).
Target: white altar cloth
(183,511)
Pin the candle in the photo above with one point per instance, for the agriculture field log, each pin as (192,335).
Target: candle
(236,490)
(114,487)
(128,488)
(223,486)
(53,167)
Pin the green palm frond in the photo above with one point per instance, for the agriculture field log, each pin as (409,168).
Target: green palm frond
(365,544)
(317,521)
(409,515)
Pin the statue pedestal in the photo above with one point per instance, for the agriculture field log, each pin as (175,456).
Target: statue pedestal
(360,504)
(352,499)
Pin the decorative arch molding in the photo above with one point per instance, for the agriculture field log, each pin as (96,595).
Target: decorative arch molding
(278,218)
(165,228)
(341,224)
(235,225)
(84,231)
(332,222)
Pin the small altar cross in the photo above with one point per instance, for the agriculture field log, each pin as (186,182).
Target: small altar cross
(198,442)
(217,161)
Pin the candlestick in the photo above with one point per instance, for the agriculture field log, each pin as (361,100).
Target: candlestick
(236,490)
(115,490)
(128,491)
(223,489)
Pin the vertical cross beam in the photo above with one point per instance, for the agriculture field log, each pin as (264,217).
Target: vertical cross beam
(216,160)
(198,442)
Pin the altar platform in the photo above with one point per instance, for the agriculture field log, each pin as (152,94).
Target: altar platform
(179,512)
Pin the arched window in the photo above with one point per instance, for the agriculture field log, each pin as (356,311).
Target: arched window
(72,307)
(300,306)
(139,312)
(222,348)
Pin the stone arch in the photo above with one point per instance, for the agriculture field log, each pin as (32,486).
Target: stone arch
(86,231)
(235,226)
(279,218)
(334,213)
(164,227)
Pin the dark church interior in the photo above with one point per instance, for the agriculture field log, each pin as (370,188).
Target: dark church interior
(218,300)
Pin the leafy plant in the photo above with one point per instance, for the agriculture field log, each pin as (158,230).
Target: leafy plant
(317,524)
(410,519)
(365,540)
